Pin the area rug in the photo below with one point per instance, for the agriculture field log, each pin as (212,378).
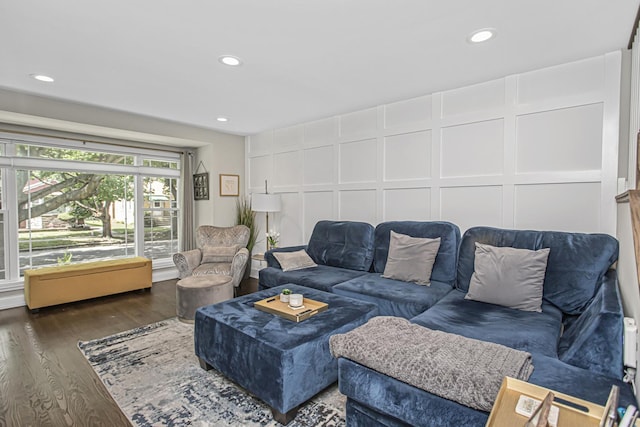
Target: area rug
(153,375)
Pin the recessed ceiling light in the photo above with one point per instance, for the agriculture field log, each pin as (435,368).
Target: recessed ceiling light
(482,35)
(222,119)
(42,78)
(230,60)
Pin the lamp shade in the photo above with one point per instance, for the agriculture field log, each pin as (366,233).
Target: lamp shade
(265,202)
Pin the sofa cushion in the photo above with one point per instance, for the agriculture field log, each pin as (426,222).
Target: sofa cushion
(594,340)
(444,268)
(508,276)
(298,260)
(411,258)
(522,330)
(345,244)
(393,297)
(585,384)
(398,403)
(322,277)
(212,253)
(576,264)
(401,401)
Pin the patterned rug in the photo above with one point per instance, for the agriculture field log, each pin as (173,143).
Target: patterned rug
(153,375)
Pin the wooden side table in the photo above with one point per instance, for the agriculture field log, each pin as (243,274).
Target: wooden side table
(504,413)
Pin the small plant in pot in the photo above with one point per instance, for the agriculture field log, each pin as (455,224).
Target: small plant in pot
(284,295)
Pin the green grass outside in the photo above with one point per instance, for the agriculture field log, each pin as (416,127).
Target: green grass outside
(63,238)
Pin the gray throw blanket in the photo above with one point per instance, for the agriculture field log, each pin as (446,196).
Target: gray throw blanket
(461,369)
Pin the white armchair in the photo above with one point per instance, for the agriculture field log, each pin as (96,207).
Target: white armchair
(221,250)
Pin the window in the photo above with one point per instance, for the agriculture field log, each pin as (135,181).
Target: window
(66,217)
(49,152)
(69,201)
(160,164)
(160,217)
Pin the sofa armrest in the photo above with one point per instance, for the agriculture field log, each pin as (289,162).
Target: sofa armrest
(186,261)
(273,262)
(238,265)
(594,339)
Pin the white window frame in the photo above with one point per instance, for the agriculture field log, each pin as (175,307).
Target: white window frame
(9,163)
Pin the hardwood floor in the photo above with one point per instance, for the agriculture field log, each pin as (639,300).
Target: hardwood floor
(46,381)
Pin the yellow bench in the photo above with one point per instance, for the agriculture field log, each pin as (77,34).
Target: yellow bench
(48,286)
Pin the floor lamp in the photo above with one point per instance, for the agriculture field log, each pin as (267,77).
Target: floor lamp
(265,203)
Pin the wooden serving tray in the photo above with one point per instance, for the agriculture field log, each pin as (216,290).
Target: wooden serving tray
(503,414)
(273,305)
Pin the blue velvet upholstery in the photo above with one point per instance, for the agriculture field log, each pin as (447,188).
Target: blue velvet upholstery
(594,339)
(345,244)
(375,399)
(577,262)
(400,401)
(403,299)
(342,249)
(282,362)
(582,383)
(522,330)
(579,294)
(322,277)
(358,415)
(393,297)
(444,269)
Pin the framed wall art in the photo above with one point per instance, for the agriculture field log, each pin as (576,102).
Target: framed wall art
(201,186)
(229,185)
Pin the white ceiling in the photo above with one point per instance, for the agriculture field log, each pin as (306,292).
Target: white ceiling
(303,59)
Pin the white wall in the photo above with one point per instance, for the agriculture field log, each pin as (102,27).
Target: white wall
(224,154)
(627,276)
(536,150)
(58,115)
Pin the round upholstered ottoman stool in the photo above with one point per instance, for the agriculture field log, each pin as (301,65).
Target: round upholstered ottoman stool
(197,291)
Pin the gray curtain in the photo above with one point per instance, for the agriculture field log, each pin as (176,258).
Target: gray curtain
(188,221)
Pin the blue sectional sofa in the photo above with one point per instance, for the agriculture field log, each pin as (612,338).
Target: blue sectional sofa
(343,250)
(575,340)
(404,299)
(358,275)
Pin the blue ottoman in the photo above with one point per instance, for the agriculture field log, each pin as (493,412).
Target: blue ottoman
(282,362)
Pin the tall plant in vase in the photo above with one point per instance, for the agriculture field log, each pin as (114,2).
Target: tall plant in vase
(246,216)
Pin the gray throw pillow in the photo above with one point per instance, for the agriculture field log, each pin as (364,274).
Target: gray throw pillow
(508,277)
(411,259)
(298,260)
(218,253)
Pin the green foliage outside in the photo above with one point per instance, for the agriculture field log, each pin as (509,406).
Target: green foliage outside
(89,196)
(65,258)
(89,192)
(86,203)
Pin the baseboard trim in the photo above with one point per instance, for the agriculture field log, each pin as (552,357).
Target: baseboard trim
(164,274)
(11,301)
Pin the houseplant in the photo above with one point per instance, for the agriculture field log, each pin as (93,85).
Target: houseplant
(284,295)
(246,216)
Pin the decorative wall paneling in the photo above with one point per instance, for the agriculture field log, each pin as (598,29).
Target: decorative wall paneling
(535,150)
(634,112)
